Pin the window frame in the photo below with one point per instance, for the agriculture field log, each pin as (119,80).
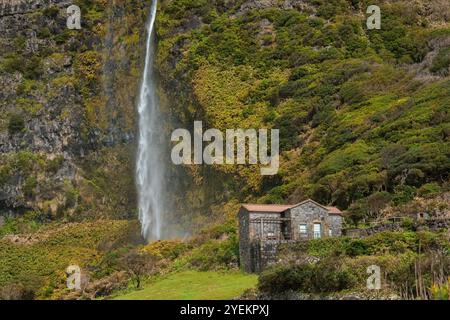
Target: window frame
(319,233)
(305,233)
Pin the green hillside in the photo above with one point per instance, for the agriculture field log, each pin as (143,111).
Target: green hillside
(363,114)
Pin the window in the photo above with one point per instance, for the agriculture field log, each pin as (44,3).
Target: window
(271,236)
(317,230)
(330,233)
(302,230)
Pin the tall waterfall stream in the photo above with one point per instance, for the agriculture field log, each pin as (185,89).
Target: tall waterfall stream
(149,163)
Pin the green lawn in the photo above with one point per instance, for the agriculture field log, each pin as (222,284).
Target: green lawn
(194,285)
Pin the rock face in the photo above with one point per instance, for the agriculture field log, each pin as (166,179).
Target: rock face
(67,107)
(11,7)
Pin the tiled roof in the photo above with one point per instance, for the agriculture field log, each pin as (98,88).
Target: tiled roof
(273,208)
(334,210)
(278,208)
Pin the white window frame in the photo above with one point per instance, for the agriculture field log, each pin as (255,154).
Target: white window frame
(317,233)
(300,231)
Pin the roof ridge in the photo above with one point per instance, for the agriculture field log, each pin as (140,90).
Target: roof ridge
(330,209)
(266,204)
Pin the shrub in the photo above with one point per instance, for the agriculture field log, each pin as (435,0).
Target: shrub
(31,68)
(16,123)
(214,254)
(5,174)
(88,65)
(16,291)
(169,249)
(429,190)
(357,212)
(51,12)
(29,186)
(62,38)
(55,164)
(355,247)
(25,161)
(29,107)
(27,87)
(28,223)
(328,275)
(403,194)
(441,292)
(71,194)
(44,33)
(408,223)
(441,64)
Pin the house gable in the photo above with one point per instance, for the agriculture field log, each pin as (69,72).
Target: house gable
(308,211)
(310,202)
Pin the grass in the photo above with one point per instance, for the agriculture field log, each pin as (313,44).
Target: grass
(195,285)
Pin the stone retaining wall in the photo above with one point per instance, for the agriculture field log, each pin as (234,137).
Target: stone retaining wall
(265,253)
(432,224)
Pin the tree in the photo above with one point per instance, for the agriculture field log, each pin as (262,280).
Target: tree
(377,202)
(357,211)
(138,265)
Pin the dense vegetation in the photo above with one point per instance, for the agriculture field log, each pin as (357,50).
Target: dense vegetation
(363,117)
(413,265)
(38,260)
(363,114)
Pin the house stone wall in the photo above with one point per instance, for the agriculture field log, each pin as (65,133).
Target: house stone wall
(244,241)
(255,228)
(309,213)
(335,224)
(249,238)
(265,253)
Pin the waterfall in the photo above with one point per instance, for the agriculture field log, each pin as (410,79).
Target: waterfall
(149,163)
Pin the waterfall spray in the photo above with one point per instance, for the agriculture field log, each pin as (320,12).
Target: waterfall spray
(150,166)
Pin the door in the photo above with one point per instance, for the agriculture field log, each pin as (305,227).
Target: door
(317,230)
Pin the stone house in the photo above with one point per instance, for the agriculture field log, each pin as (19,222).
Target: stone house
(263,227)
